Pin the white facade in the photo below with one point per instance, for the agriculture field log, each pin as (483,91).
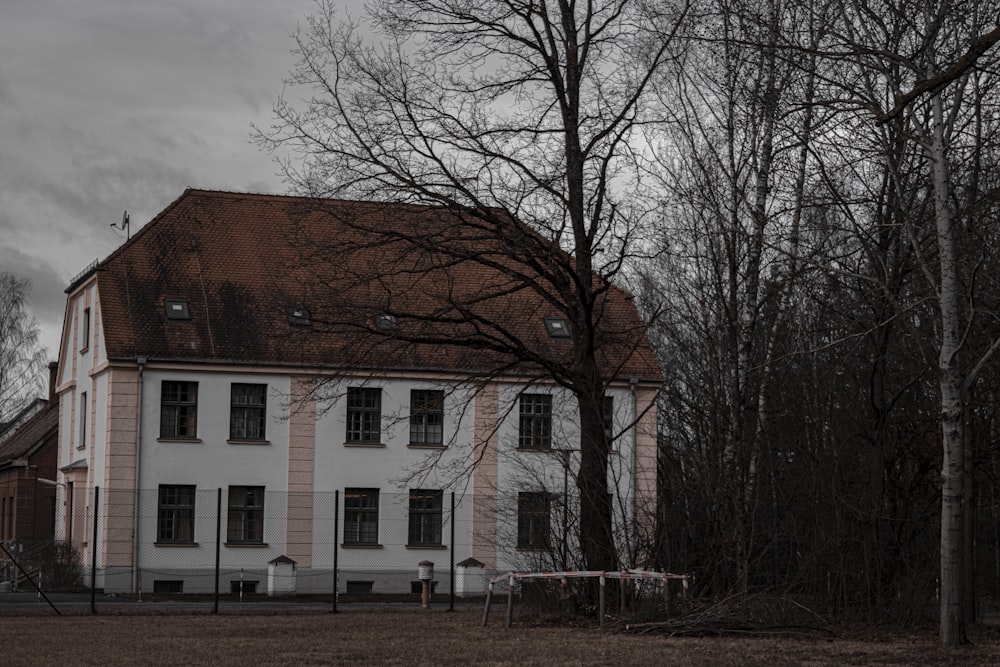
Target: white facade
(111,436)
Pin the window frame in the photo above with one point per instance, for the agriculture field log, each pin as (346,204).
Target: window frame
(426,516)
(245,520)
(81,442)
(534,520)
(360,506)
(426,408)
(176,403)
(85,331)
(608,417)
(364,416)
(175,514)
(242,414)
(534,430)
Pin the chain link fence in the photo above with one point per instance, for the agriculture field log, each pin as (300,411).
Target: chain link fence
(244,544)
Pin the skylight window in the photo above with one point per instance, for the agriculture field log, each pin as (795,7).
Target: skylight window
(177,309)
(557,327)
(299,316)
(386,322)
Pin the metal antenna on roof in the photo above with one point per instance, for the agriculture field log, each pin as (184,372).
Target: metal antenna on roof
(123,225)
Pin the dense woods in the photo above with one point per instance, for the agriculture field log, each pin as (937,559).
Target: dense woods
(828,279)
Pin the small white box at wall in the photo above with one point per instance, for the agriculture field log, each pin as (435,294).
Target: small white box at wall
(281,576)
(470,578)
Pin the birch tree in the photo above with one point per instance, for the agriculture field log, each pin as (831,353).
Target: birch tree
(914,59)
(22,362)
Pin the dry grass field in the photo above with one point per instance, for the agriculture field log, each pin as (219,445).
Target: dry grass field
(408,636)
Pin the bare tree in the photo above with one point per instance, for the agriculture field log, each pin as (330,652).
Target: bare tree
(914,59)
(22,363)
(498,111)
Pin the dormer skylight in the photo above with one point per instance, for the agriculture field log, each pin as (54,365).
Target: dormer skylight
(177,309)
(299,316)
(386,322)
(557,327)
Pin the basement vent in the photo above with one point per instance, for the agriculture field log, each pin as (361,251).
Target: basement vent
(168,586)
(359,587)
(177,309)
(557,327)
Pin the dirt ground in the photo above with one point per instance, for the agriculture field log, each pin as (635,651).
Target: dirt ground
(408,636)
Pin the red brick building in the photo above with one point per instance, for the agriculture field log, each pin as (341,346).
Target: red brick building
(28,492)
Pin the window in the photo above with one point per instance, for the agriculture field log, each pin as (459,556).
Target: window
(240,586)
(417,587)
(364,415)
(359,587)
(608,416)
(536,422)
(426,417)
(175,514)
(178,409)
(85,330)
(82,442)
(168,586)
(557,327)
(299,316)
(177,309)
(246,515)
(386,323)
(533,520)
(425,518)
(361,516)
(247,410)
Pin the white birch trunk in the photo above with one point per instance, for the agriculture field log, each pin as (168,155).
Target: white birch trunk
(950,376)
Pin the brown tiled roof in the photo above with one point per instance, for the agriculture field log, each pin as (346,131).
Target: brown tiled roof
(240,261)
(24,438)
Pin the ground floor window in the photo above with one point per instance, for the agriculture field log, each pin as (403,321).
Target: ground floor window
(246,515)
(361,516)
(175,513)
(533,512)
(425,518)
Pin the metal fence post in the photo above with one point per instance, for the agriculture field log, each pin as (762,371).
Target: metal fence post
(451,585)
(218,546)
(336,535)
(93,553)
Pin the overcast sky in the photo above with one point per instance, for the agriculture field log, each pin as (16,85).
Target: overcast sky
(108,105)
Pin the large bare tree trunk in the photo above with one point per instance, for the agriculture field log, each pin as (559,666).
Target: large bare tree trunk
(950,378)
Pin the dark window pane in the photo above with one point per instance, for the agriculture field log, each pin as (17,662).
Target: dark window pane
(364,415)
(361,516)
(535,427)
(246,515)
(426,417)
(425,517)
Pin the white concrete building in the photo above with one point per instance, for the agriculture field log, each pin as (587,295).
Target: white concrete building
(247,374)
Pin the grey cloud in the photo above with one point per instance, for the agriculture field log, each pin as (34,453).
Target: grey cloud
(47,284)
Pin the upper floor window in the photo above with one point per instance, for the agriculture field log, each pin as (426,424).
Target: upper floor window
(425,518)
(535,427)
(175,513)
(85,330)
(426,417)
(533,512)
(177,309)
(246,515)
(247,411)
(178,409)
(364,415)
(82,442)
